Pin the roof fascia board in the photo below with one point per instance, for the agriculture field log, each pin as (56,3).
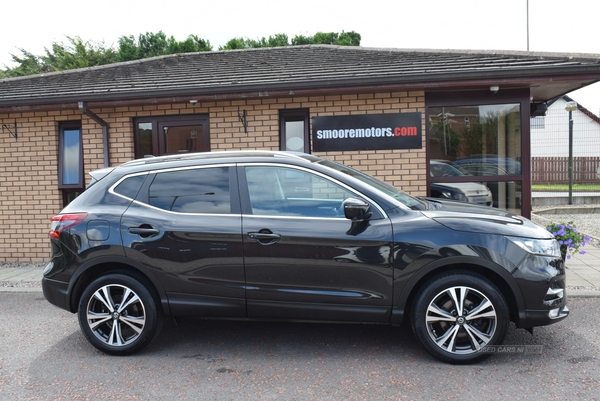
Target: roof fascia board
(328,87)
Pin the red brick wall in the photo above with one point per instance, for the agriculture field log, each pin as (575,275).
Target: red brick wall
(29,193)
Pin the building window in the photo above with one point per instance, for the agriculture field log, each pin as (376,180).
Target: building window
(70,160)
(481,144)
(294,130)
(159,136)
(537,122)
(70,195)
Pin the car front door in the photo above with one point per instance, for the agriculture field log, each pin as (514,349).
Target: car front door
(303,259)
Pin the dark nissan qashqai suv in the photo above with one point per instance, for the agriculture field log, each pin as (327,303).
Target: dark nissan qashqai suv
(273,235)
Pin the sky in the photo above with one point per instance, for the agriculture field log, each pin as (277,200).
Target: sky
(566,26)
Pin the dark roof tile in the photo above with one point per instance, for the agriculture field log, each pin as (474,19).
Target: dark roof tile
(283,68)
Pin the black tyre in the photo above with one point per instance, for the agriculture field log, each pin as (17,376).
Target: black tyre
(118,314)
(457,315)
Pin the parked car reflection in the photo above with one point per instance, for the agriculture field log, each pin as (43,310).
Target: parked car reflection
(472,192)
(489,165)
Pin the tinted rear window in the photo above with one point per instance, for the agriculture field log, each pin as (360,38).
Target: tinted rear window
(203,190)
(129,187)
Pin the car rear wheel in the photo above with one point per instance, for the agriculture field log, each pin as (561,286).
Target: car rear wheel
(459,316)
(118,315)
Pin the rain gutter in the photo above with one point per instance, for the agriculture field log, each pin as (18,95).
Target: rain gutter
(83,107)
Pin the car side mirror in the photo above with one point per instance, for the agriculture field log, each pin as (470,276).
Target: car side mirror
(356,209)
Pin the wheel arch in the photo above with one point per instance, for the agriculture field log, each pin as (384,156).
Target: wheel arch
(99,267)
(499,276)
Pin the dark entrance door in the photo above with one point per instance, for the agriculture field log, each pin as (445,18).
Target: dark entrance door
(172,135)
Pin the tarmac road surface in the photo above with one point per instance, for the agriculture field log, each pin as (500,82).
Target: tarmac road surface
(44,356)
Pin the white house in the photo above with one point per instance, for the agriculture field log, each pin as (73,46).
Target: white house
(550,145)
(550,134)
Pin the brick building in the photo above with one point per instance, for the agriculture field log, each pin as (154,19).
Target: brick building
(57,127)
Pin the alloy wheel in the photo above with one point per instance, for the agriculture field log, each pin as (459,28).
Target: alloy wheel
(116,315)
(461,320)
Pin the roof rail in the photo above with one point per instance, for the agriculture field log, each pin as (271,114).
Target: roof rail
(207,155)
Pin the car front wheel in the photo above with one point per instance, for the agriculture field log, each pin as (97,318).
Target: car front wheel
(459,316)
(118,315)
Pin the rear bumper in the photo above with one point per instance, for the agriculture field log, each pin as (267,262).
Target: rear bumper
(56,293)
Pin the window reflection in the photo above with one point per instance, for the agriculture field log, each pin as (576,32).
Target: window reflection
(181,139)
(280,191)
(294,130)
(192,191)
(483,140)
(294,133)
(71,157)
(145,145)
(475,154)
(472,192)
(171,134)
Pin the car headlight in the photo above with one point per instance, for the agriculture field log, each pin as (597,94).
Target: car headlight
(459,196)
(548,247)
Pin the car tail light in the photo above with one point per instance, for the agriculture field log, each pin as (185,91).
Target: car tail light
(61,222)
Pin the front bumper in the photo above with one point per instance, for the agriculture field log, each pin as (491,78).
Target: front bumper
(543,284)
(536,318)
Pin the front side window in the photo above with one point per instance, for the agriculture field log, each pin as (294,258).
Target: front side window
(294,131)
(282,191)
(204,190)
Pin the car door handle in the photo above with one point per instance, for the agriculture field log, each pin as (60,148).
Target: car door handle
(144,231)
(265,238)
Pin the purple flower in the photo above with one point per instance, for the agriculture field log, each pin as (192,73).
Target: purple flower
(568,237)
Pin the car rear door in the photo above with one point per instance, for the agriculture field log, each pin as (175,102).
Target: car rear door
(185,226)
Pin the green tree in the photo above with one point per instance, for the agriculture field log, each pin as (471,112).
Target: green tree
(157,44)
(299,40)
(128,49)
(325,38)
(328,38)
(234,44)
(152,44)
(28,64)
(77,54)
(349,39)
(279,39)
(191,45)
(60,57)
